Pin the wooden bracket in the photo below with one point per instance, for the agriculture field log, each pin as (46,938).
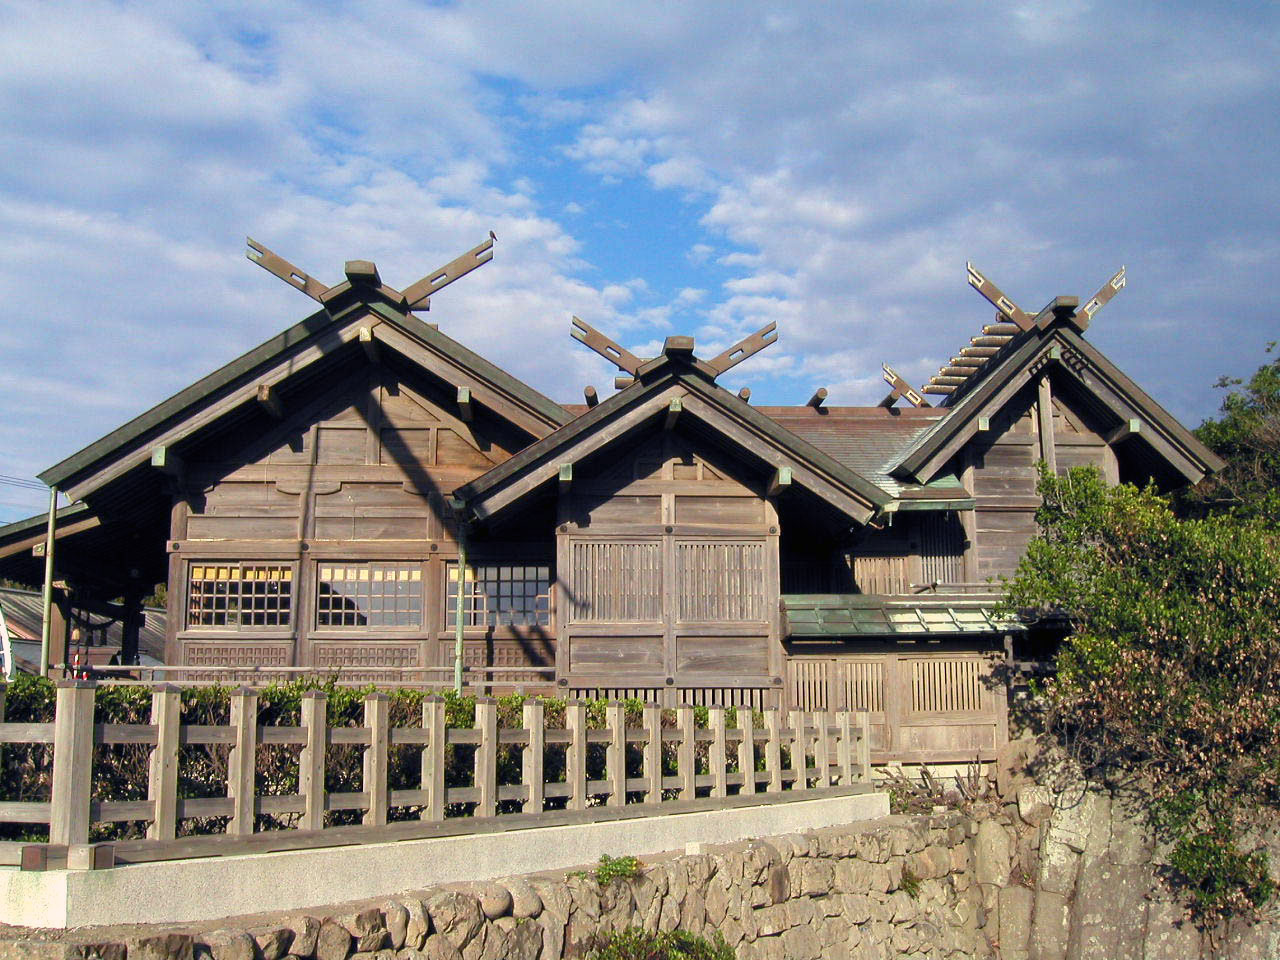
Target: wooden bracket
(780,481)
(465,412)
(1100,299)
(166,461)
(369,343)
(269,400)
(995,296)
(1130,428)
(744,348)
(418,294)
(565,477)
(673,412)
(624,359)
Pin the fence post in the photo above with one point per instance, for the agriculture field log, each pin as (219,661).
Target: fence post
(240,761)
(799,751)
(845,750)
(863,722)
(433,758)
(162,781)
(615,763)
(72,762)
(773,748)
(653,753)
(821,752)
(377,711)
(575,721)
(311,760)
(531,762)
(717,758)
(747,749)
(685,758)
(487,757)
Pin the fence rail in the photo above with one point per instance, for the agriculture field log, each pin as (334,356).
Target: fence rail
(796,752)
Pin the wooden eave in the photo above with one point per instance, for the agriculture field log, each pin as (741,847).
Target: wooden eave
(280,358)
(1094,374)
(730,417)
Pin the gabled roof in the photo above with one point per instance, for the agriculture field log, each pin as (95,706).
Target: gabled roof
(280,358)
(661,381)
(1056,342)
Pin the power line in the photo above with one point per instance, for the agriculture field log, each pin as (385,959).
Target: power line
(22,482)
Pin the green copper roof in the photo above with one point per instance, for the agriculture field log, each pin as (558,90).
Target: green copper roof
(860,615)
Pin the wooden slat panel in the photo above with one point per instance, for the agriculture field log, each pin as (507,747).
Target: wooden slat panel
(720,580)
(616,582)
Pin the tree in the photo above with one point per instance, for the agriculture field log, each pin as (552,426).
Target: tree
(1170,682)
(1247,436)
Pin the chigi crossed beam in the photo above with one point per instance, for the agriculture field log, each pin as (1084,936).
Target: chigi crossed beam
(630,364)
(1010,321)
(416,296)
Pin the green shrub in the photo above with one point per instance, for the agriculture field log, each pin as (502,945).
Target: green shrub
(636,944)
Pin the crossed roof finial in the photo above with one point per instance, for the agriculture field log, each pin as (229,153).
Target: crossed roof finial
(629,363)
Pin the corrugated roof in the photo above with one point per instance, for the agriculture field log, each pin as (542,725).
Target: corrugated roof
(858,615)
(24,615)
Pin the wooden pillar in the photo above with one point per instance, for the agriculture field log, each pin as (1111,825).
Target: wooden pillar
(717,760)
(531,765)
(575,718)
(773,748)
(377,710)
(653,753)
(821,753)
(72,762)
(433,758)
(747,749)
(615,764)
(685,760)
(487,757)
(1044,412)
(311,760)
(162,786)
(240,762)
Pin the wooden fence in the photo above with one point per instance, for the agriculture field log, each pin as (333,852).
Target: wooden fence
(798,751)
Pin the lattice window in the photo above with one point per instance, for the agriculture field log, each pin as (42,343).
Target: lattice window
(369,595)
(942,548)
(239,596)
(500,595)
(616,582)
(720,580)
(947,685)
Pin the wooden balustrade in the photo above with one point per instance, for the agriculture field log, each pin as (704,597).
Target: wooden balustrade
(648,764)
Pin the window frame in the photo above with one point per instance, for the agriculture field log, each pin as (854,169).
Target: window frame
(318,629)
(239,629)
(449,596)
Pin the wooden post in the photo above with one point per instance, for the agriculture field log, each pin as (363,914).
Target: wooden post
(162,781)
(846,748)
(311,760)
(46,595)
(821,753)
(773,749)
(653,753)
(240,762)
(433,758)
(718,757)
(799,751)
(862,721)
(487,757)
(685,758)
(615,763)
(531,763)
(575,720)
(377,710)
(747,749)
(72,762)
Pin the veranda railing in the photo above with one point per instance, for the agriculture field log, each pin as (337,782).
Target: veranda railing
(800,751)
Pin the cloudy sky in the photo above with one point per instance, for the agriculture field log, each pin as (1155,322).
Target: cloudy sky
(653,168)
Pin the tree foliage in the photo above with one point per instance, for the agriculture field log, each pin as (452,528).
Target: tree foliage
(1171,679)
(1247,437)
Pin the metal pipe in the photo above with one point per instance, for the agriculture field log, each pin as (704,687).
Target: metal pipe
(48,583)
(457,620)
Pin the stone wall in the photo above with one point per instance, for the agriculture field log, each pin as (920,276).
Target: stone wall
(1045,875)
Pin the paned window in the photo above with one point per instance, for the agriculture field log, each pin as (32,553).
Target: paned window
(369,595)
(500,595)
(240,595)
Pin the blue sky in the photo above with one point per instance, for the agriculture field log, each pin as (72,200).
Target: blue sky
(653,168)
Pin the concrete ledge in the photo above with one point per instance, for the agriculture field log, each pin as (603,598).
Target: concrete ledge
(214,888)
